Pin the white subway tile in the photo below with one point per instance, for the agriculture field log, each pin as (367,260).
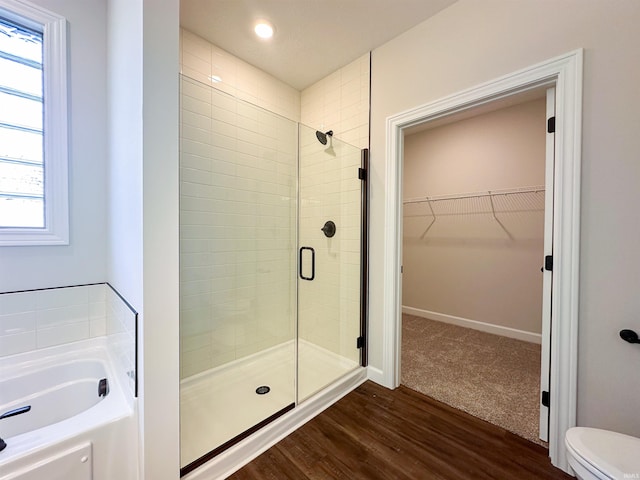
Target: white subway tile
(196,134)
(196,120)
(11,303)
(17,323)
(19,343)
(195,105)
(195,74)
(62,297)
(98,326)
(196,45)
(223,101)
(196,90)
(47,337)
(97,293)
(97,309)
(191,62)
(53,317)
(189,160)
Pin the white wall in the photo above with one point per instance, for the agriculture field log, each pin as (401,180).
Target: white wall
(143,209)
(473,42)
(464,262)
(124,267)
(84,259)
(160,348)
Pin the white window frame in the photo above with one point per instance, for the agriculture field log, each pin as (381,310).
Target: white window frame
(55,127)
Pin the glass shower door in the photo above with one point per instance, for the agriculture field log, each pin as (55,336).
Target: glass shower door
(238,183)
(329,259)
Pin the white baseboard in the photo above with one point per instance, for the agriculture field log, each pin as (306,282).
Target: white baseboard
(476,325)
(239,455)
(375,375)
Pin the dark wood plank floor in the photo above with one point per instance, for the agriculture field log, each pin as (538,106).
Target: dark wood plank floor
(375,433)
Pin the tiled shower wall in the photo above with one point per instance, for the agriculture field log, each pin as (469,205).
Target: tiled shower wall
(340,102)
(210,65)
(238,170)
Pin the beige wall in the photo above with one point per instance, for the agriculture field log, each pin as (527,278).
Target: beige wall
(467,264)
(473,42)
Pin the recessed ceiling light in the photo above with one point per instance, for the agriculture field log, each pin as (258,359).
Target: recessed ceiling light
(264,29)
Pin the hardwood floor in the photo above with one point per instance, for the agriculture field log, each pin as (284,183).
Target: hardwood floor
(375,433)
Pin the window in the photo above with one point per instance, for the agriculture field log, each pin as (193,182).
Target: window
(33,126)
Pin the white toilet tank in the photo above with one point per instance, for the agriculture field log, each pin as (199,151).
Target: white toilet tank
(601,454)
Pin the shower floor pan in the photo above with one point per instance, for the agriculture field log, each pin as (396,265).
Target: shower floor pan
(218,405)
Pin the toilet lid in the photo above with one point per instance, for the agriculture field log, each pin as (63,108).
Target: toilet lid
(614,454)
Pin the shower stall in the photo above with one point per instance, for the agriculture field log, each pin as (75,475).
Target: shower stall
(272,267)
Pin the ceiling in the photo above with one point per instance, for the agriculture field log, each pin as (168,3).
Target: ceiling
(313,38)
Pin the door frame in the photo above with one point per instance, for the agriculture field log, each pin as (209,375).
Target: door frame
(550,141)
(565,73)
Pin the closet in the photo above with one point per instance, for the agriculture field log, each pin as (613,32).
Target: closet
(473,231)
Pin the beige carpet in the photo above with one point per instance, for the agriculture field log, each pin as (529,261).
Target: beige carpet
(491,377)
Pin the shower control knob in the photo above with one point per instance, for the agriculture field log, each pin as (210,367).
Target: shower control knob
(329,229)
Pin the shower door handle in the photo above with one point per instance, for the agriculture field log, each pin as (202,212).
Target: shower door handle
(313,263)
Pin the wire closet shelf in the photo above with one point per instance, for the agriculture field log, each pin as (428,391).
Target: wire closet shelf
(490,202)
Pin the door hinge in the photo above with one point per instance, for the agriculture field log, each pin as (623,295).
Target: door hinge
(551,125)
(545,399)
(548,263)
(362,174)
(360,342)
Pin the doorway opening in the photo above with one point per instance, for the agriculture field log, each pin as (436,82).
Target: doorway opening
(565,72)
(474,191)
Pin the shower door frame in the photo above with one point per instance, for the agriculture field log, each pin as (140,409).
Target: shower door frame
(363,175)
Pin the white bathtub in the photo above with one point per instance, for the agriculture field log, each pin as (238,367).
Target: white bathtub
(71,432)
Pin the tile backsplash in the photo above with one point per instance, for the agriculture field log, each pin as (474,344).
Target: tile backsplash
(38,319)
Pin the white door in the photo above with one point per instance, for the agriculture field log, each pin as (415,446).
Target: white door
(547,274)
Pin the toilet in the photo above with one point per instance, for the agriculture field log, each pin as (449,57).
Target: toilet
(601,454)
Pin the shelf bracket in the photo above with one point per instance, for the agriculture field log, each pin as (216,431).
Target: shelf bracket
(493,212)
(432,221)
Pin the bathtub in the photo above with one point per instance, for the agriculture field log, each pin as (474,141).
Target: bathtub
(80,425)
